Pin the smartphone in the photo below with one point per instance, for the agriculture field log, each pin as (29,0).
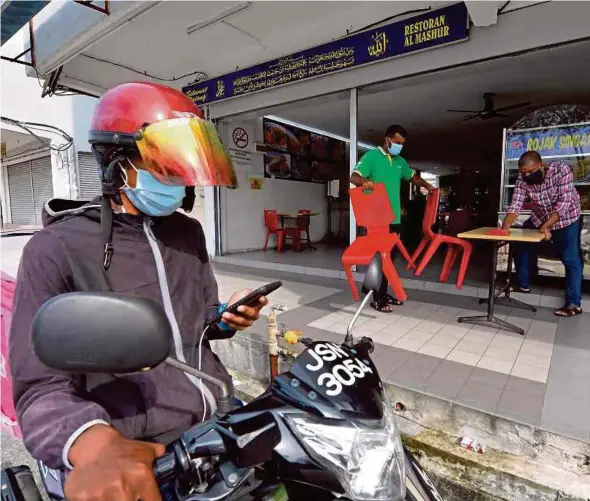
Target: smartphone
(249,300)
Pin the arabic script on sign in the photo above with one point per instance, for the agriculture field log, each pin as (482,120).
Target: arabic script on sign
(379,45)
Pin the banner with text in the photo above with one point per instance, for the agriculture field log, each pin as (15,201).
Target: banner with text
(432,29)
(556,141)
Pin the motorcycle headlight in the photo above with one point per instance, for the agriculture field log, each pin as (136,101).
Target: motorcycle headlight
(367,457)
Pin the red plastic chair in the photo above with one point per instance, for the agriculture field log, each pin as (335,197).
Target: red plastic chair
(373,211)
(434,240)
(303,224)
(271,222)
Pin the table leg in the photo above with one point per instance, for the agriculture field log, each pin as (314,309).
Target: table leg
(506,300)
(489,319)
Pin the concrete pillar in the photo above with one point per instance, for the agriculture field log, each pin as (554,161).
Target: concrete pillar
(353,154)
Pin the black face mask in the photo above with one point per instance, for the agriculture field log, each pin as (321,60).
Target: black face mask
(534,177)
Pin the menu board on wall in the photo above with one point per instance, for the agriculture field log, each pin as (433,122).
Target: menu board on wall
(300,155)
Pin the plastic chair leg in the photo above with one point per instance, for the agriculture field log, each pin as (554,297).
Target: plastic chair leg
(405,254)
(392,277)
(430,251)
(464,264)
(416,254)
(280,241)
(351,282)
(450,258)
(266,241)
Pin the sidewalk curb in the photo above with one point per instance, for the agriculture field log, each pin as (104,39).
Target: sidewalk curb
(464,475)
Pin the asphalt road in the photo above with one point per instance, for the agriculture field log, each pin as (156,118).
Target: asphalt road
(15,454)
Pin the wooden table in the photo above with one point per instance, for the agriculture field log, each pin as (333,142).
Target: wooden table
(516,235)
(295,215)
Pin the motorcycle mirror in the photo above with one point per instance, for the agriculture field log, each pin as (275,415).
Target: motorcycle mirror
(101,333)
(371,284)
(374,275)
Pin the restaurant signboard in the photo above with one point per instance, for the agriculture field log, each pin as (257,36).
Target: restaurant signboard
(566,140)
(425,31)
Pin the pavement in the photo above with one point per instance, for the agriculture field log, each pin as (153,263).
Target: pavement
(541,379)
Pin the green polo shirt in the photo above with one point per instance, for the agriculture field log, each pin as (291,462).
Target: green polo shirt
(380,167)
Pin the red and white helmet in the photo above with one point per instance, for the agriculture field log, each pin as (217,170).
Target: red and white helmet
(176,144)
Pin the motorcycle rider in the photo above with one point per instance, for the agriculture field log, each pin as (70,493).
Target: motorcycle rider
(151,143)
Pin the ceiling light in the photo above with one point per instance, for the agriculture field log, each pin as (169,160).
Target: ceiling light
(219,17)
(365,146)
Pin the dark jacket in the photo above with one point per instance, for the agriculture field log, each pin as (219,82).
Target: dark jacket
(67,256)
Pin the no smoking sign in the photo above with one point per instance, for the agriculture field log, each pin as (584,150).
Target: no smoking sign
(240,137)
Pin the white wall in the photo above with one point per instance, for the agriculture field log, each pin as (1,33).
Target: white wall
(242,210)
(21,100)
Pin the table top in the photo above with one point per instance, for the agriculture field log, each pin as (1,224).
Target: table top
(516,235)
(295,215)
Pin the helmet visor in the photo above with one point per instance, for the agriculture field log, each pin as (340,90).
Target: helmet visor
(187,152)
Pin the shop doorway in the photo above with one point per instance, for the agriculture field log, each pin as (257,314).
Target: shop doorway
(462,152)
(297,175)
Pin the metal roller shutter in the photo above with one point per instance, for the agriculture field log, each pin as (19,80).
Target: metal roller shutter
(30,185)
(20,192)
(42,184)
(88,178)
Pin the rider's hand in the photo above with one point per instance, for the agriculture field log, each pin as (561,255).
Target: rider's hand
(108,466)
(246,315)
(368,185)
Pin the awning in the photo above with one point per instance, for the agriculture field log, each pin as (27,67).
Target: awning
(15,14)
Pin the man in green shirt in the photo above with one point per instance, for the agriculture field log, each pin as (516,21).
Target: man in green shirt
(385,165)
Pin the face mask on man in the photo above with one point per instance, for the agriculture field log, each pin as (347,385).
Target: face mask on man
(535,177)
(152,197)
(394,148)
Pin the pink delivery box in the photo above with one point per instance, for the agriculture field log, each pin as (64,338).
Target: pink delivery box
(8,413)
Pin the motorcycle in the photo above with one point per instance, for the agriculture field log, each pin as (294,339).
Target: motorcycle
(323,430)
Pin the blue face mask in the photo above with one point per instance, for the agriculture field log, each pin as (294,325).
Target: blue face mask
(152,197)
(395,149)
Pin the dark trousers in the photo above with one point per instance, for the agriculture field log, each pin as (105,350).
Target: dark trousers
(567,242)
(393,228)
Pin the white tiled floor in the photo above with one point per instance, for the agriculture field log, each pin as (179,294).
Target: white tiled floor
(425,328)
(433,330)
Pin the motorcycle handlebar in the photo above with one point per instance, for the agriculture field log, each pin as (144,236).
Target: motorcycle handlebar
(165,468)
